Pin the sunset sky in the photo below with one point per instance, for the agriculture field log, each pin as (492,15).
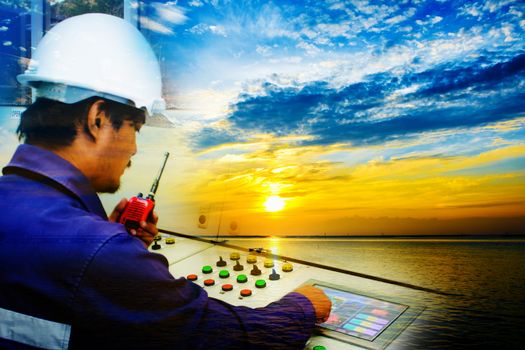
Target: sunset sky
(337,117)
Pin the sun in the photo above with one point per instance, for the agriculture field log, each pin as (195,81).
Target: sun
(274,203)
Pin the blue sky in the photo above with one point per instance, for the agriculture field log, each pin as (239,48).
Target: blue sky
(353,72)
(407,108)
(343,110)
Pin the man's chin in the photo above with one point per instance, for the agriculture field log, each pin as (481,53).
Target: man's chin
(108,188)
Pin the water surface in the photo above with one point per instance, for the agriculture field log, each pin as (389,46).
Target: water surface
(487,274)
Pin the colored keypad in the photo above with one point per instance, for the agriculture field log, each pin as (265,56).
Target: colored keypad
(209,282)
(246,293)
(260,283)
(242,279)
(268,263)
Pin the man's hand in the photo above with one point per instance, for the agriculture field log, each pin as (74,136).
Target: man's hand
(319,300)
(147,230)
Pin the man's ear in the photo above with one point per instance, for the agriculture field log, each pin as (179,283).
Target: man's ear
(96,118)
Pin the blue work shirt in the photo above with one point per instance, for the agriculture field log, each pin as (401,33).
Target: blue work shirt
(70,278)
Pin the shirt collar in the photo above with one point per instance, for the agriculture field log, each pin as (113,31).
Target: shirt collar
(50,165)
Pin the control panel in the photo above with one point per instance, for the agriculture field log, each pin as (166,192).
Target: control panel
(360,318)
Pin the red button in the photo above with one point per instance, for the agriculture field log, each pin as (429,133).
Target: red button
(192,277)
(246,293)
(227,287)
(209,282)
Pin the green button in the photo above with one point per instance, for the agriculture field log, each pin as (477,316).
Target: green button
(318,347)
(260,283)
(224,274)
(207,269)
(242,278)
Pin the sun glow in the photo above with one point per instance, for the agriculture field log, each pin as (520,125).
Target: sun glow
(274,203)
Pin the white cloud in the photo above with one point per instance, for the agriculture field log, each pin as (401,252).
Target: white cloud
(263,50)
(170,12)
(334,29)
(287,60)
(270,23)
(309,33)
(203,28)
(400,18)
(493,6)
(507,31)
(473,10)
(436,19)
(396,19)
(337,68)
(323,41)
(200,29)
(195,3)
(368,15)
(154,26)
(205,104)
(349,68)
(404,91)
(219,30)
(364,7)
(311,50)
(337,6)
(430,20)
(267,22)
(515,12)
(214,3)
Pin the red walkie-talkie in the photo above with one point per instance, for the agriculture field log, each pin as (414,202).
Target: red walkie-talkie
(139,208)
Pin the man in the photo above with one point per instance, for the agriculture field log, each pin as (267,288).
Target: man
(70,277)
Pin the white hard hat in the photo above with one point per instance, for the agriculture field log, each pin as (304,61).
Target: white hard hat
(96,55)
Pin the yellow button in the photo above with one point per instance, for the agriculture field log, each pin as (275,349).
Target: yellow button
(251,259)
(157,237)
(268,263)
(235,256)
(170,240)
(287,267)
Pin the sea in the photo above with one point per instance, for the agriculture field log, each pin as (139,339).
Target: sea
(485,275)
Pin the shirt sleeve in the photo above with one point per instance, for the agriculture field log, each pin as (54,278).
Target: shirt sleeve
(128,299)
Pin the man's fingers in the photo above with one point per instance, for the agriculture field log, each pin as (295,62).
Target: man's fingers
(145,234)
(121,204)
(155,218)
(149,227)
(147,230)
(119,208)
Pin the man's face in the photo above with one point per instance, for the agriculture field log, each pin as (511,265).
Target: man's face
(116,149)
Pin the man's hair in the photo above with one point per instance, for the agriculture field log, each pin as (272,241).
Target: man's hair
(55,124)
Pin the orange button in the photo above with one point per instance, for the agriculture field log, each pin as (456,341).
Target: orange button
(246,293)
(192,277)
(209,282)
(227,287)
